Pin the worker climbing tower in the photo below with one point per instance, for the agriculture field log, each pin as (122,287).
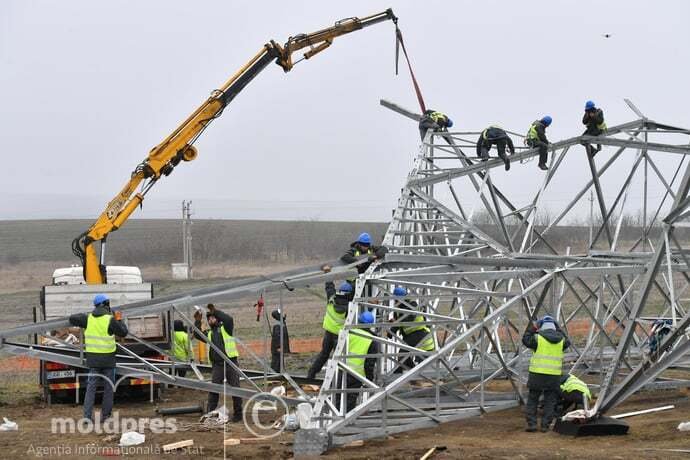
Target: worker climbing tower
(478,264)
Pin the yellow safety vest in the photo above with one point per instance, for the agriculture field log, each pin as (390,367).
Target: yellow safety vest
(358,345)
(602,126)
(532,133)
(548,357)
(181,345)
(438,116)
(228,340)
(575,384)
(357,253)
(332,320)
(96,337)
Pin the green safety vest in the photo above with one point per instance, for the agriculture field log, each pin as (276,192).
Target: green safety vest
(332,320)
(532,133)
(96,337)
(427,343)
(358,345)
(548,357)
(575,384)
(228,340)
(602,126)
(181,345)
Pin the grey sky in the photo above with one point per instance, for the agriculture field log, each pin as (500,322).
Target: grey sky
(87,88)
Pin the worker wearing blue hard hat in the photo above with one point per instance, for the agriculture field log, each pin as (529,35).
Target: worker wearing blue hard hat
(593,119)
(413,330)
(363,246)
(434,120)
(100,328)
(361,344)
(548,343)
(536,138)
(333,321)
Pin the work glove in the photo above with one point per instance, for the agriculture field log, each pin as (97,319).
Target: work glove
(117,314)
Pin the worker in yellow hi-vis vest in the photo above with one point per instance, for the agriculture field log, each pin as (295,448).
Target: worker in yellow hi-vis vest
(573,392)
(100,328)
(360,343)
(545,369)
(220,333)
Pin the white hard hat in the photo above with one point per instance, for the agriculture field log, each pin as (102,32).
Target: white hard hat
(197,308)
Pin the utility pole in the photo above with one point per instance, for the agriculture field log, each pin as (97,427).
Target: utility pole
(187,236)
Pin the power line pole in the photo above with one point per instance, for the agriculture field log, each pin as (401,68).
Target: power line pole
(187,236)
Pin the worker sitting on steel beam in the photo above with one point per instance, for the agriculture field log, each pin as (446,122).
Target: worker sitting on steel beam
(545,369)
(594,120)
(573,391)
(279,347)
(434,120)
(100,328)
(220,333)
(360,342)
(182,350)
(536,138)
(493,135)
(416,335)
(333,320)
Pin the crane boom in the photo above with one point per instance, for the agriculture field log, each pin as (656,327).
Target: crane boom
(178,146)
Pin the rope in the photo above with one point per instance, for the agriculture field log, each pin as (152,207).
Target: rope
(400,43)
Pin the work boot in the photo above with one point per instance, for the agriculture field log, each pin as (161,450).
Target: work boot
(531,429)
(544,429)
(543,167)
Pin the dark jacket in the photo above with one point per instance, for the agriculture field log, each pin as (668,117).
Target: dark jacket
(591,119)
(404,317)
(226,322)
(529,339)
(541,131)
(494,136)
(370,363)
(118,328)
(349,257)
(275,334)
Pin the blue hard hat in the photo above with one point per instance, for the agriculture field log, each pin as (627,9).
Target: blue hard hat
(364,238)
(345,287)
(401,291)
(546,120)
(589,105)
(99,299)
(365,318)
(450,123)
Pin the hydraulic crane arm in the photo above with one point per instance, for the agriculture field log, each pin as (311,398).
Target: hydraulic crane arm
(178,146)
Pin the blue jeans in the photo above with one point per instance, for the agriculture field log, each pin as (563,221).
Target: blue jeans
(99,375)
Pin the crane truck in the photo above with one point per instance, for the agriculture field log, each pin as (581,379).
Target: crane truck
(71,291)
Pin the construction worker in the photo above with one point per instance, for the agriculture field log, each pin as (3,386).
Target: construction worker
(660,328)
(545,369)
(333,320)
(594,120)
(200,348)
(573,391)
(220,333)
(182,350)
(536,137)
(417,335)
(360,247)
(100,328)
(277,346)
(434,120)
(360,342)
(493,135)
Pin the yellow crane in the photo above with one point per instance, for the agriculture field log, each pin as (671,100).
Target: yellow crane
(178,146)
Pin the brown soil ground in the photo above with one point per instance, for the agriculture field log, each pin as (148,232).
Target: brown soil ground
(496,435)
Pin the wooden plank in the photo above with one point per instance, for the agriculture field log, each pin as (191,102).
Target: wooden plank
(231,442)
(178,445)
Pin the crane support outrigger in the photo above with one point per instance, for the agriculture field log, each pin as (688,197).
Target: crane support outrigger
(178,146)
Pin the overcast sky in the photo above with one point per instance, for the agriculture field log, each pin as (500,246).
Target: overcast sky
(87,88)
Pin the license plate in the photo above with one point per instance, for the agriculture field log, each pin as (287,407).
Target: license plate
(60,374)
